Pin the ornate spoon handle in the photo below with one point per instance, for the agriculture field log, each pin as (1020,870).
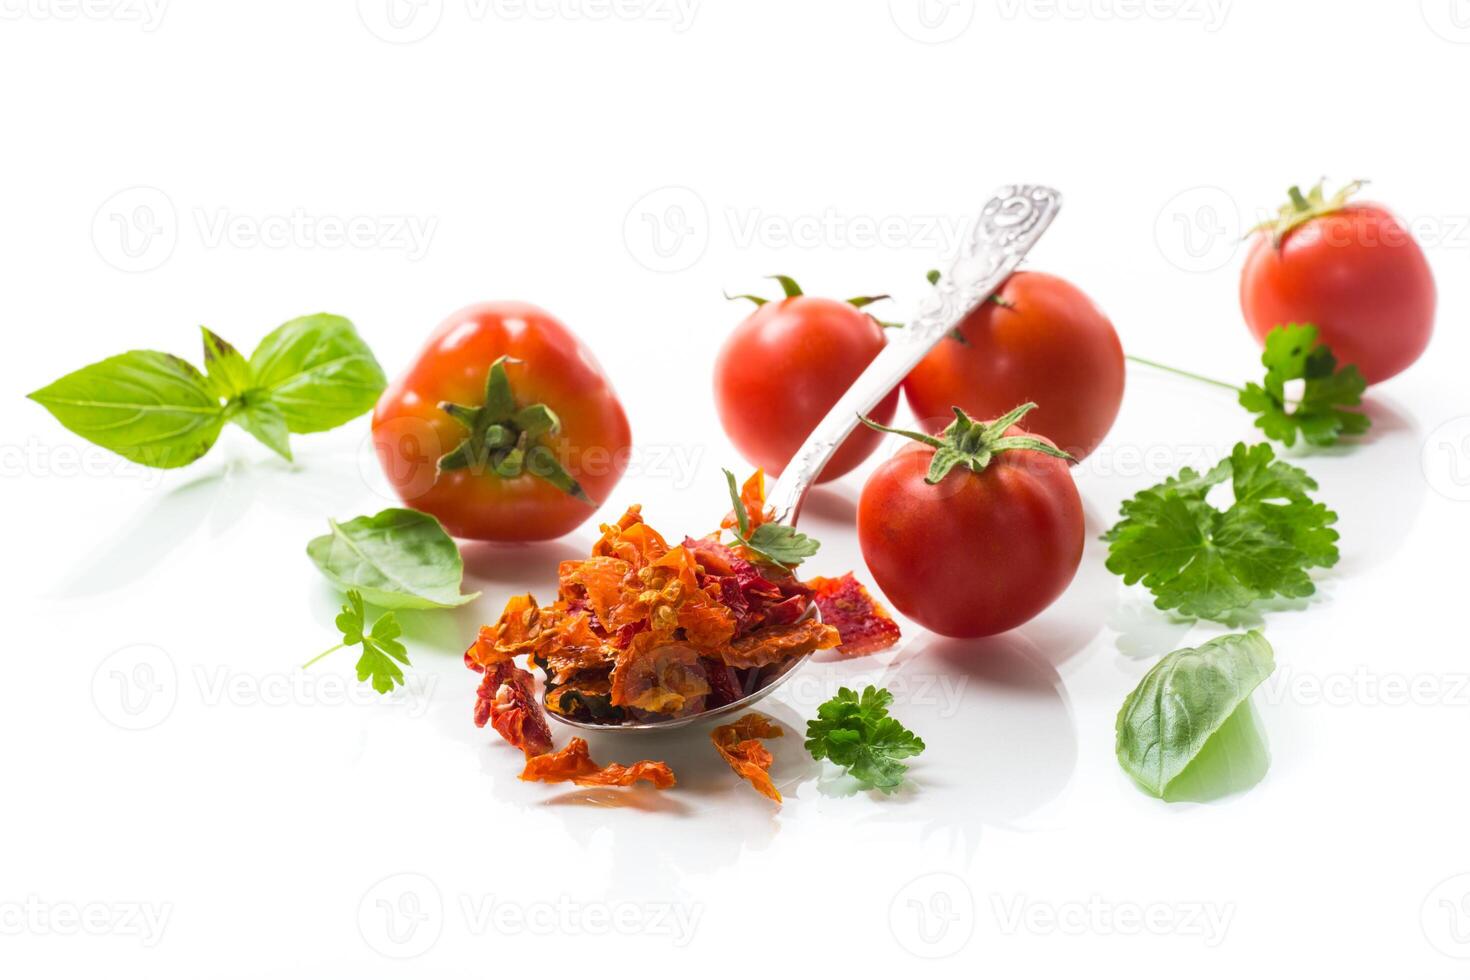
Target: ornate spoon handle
(1010,224)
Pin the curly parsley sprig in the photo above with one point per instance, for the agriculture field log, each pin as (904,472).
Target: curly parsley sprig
(1211,563)
(380,646)
(857,733)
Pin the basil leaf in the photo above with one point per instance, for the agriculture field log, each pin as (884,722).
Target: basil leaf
(398,559)
(1183,702)
(319,371)
(229,372)
(151,408)
(264,420)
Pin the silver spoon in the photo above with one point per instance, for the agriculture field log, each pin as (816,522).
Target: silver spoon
(1009,225)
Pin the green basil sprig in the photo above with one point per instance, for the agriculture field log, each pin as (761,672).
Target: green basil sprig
(309,375)
(1187,700)
(398,559)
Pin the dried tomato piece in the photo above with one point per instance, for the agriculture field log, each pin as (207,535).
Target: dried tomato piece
(739,744)
(507,700)
(724,683)
(659,677)
(573,764)
(631,540)
(587,697)
(569,646)
(771,644)
(517,632)
(598,582)
(864,624)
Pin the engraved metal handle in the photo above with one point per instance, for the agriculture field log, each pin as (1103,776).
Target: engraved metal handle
(1010,224)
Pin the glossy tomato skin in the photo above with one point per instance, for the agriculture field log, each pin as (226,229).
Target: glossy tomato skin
(1047,343)
(784,368)
(551,366)
(976,554)
(1358,275)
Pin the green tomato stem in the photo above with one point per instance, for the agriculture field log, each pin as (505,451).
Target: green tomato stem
(1184,374)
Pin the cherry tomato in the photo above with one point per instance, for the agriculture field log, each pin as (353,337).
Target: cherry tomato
(1041,340)
(1354,270)
(989,545)
(783,369)
(504,428)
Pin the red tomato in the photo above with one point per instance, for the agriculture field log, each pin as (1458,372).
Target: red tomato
(977,553)
(531,474)
(783,369)
(1353,270)
(1044,342)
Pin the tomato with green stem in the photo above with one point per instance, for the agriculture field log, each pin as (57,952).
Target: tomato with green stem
(975,531)
(505,428)
(1039,339)
(782,369)
(1353,270)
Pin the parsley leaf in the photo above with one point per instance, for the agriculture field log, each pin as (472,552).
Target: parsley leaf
(380,646)
(857,734)
(776,543)
(1212,564)
(1294,354)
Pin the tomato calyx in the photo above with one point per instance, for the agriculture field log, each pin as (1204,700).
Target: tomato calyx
(506,438)
(792,289)
(973,445)
(1301,208)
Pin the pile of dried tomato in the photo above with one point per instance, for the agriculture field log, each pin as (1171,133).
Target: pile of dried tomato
(644,630)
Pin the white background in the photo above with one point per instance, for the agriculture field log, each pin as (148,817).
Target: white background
(163,753)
